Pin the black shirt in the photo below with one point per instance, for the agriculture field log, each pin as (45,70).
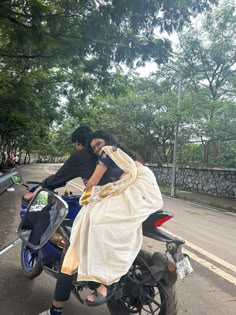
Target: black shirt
(80,164)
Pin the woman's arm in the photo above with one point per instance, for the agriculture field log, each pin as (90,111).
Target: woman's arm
(97,175)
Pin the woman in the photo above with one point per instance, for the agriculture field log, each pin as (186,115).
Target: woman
(107,234)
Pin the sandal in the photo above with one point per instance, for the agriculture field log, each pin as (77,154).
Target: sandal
(100,299)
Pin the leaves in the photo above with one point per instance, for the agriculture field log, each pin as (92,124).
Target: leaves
(70,49)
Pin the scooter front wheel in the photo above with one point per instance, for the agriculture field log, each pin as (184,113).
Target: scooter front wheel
(30,262)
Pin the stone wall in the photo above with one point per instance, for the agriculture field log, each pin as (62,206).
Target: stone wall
(212,181)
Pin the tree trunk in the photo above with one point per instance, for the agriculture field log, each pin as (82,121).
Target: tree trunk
(25,158)
(28,159)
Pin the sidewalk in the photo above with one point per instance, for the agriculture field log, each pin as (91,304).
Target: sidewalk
(217,202)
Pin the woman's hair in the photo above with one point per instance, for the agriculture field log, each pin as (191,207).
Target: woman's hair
(102,134)
(113,141)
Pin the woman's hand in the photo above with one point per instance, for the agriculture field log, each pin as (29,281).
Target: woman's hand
(84,181)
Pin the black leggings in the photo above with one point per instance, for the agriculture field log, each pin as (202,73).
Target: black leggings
(63,285)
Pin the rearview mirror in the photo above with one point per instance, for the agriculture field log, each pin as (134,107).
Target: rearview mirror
(43,217)
(17,179)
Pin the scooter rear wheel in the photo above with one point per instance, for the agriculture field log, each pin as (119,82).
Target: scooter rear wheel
(30,262)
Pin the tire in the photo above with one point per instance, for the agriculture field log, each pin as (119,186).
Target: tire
(168,299)
(115,308)
(164,293)
(168,294)
(30,262)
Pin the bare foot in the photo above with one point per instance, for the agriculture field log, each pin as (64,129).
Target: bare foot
(101,289)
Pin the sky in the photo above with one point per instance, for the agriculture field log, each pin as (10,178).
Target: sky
(151,66)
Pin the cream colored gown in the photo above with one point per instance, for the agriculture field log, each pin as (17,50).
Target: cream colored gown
(107,233)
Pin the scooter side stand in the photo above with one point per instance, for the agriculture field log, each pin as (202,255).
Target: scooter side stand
(8,247)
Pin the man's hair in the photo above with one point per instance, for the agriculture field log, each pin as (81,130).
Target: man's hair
(82,135)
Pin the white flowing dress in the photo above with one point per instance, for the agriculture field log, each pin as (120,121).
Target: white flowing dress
(107,233)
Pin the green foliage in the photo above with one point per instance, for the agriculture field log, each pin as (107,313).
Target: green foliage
(191,154)
(54,49)
(207,60)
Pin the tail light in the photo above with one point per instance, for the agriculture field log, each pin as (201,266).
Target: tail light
(157,219)
(162,220)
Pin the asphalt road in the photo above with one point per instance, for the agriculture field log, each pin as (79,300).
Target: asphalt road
(210,241)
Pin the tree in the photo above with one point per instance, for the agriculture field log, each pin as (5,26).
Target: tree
(71,47)
(207,58)
(143,117)
(108,31)
(27,109)
(86,38)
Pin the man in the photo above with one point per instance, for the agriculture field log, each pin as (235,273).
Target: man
(80,163)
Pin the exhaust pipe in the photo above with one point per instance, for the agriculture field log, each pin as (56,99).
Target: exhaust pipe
(10,246)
